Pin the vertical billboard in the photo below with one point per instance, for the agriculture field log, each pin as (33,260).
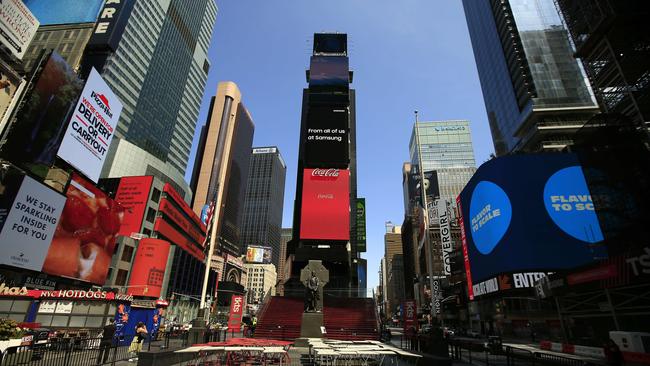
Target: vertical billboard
(132,194)
(36,134)
(91,127)
(17,27)
(110,25)
(361,224)
(325,212)
(11,85)
(29,214)
(258,254)
(236,311)
(149,265)
(410,317)
(529,213)
(444,222)
(85,238)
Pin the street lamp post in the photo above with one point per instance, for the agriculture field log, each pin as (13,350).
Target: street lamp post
(427,242)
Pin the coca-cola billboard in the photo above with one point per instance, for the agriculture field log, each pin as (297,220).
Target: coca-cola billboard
(325,211)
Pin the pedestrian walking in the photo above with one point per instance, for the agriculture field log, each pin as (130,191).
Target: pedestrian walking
(136,344)
(105,345)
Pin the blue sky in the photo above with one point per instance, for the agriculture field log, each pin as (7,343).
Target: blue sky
(406,55)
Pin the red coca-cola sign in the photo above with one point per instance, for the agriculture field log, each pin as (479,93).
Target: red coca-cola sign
(325,173)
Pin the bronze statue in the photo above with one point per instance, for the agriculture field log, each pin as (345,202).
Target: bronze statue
(311,300)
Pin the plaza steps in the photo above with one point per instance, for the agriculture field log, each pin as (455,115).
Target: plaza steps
(281,318)
(343,318)
(350,319)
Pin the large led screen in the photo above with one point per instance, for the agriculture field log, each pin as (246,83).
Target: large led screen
(133,194)
(326,137)
(325,212)
(86,235)
(149,267)
(329,71)
(525,213)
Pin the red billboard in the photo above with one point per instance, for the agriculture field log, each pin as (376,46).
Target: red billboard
(181,239)
(149,266)
(410,317)
(236,310)
(84,240)
(190,228)
(133,194)
(325,212)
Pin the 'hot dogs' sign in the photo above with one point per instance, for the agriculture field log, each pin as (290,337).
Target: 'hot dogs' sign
(91,128)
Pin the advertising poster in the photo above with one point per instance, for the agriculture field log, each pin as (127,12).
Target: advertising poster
(122,319)
(444,221)
(327,142)
(236,311)
(17,26)
(410,317)
(529,213)
(91,127)
(30,222)
(133,194)
(35,136)
(84,241)
(255,254)
(149,267)
(325,212)
(11,84)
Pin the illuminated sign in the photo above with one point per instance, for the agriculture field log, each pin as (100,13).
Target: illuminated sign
(133,194)
(325,211)
(149,266)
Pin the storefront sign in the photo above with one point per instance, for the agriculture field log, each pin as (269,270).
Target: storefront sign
(13,291)
(91,129)
(27,231)
(40,283)
(63,307)
(47,307)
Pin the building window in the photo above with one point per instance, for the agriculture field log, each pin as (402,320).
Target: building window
(127,253)
(155,195)
(146,232)
(120,279)
(151,215)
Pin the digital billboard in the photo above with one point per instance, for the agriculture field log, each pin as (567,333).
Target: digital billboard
(326,137)
(258,254)
(91,127)
(36,134)
(86,235)
(29,214)
(17,27)
(360,224)
(53,12)
(329,71)
(133,194)
(325,212)
(528,213)
(149,265)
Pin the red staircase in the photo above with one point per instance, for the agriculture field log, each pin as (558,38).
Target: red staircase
(281,318)
(350,319)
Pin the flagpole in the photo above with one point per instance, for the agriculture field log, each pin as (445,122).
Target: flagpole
(208,259)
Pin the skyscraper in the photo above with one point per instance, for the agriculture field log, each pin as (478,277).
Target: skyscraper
(221,167)
(262,217)
(535,92)
(325,209)
(394,260)
(154,55)
(447,152)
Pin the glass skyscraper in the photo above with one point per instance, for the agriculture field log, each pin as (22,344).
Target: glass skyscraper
(536,94)
(159,72)
(262,218)
(446,147)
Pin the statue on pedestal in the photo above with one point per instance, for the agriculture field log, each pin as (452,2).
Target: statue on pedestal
(314,276)
(311,300)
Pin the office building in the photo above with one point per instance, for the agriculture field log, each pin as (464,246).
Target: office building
(326,193)
(284,239)
(154,56)
(447,152)
(260,281)
(394,261)
(535,92)
(222,165)
(64,27)
(608,36)
(262,217)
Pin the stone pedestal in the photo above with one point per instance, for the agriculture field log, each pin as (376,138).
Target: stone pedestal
(311,325)
(197,332)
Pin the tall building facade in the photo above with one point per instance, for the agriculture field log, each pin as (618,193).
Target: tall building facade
(394,267)
(447,151)
(222,164)
(261,280)
(611,40)
(154,55)
(326,193)
(262,216)
(536,94)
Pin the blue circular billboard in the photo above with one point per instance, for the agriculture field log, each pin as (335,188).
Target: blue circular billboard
(569,204)
(490,214)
